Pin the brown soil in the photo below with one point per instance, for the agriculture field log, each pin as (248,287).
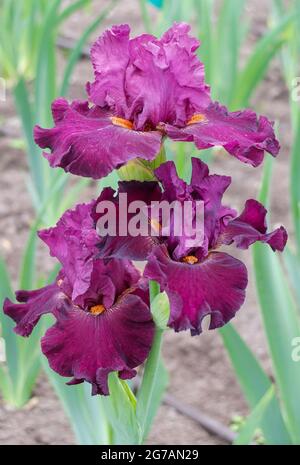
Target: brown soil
(200,372)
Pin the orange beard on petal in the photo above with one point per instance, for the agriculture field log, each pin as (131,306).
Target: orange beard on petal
(197,118)
(124,123)
(97,309)
(190,259)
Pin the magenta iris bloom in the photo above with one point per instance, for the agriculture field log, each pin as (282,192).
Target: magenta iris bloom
(200,280)
(146,89)
(206,281)
(103,320)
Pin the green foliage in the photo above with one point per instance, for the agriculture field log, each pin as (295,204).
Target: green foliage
(29,53)
(255,383)
(249,428)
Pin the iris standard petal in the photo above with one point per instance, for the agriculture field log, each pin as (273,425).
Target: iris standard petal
(110,57)
(165,78)
(148,80)
(204,187)
(251,227)
(108,281)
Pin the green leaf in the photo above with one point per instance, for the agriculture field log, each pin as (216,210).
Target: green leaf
(207,52)
(229,37)
(45,69)
(35,160)
(295,181)
(5,284)
(72,194)
(85,412)
(259,60)
(254,420)
(292,264)
(6,332)
(173,11)
(28,366)
(282,325)
(70,10)
(7,324)
(149,394)
(159,389)
(74,56)
(145,16)
(22,356)
(254,383)
(5,385)
(120,408)
(27,274)
(290,51)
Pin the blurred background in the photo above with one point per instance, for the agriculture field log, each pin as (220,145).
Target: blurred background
(251,52)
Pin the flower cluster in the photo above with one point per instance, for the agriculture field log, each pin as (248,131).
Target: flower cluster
(145,89)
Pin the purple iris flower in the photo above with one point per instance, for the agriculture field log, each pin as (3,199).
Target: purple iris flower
(146,89)
(206,281)
(103,320)
(200,280)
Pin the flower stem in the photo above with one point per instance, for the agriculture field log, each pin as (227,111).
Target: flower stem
(146,395)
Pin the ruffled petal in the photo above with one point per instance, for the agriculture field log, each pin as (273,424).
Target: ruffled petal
(174,187)
(110,57)
(210,189)
(251,227)
(165,79)
(32,305)
(88,347)
(205,188)
(241,133)
(85,142)
(148,80)
(108,281)
(216,287)
(73,242)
